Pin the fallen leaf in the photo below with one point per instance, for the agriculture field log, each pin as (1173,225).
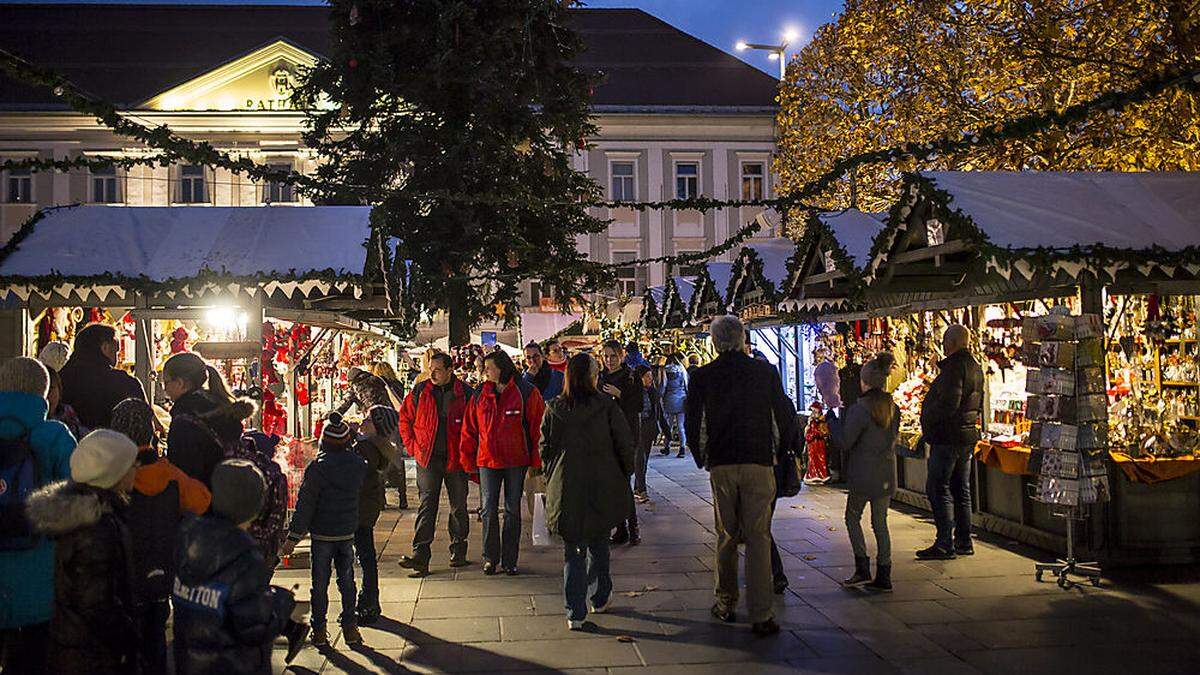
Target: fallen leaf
(625,638)
(653,562)
(832,528)
(810,557)
(632,594)
(650,588)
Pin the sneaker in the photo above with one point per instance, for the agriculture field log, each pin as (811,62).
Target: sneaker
(352,636)
(641,497)
(664,451)
(511,571)
(319,637)
(459,562)
(367,617)
(681,455)
(780,585)
(572,624)
(295,633)
(935,553)
(489,568)
(725,615)
(621,536)
(764,628)
(601,609)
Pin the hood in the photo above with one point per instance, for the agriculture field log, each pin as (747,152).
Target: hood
(343,469)
(195,403)
(209,545)
(20,412)
(581,412)
(62,508)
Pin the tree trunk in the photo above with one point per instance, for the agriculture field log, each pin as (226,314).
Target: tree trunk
(460,321)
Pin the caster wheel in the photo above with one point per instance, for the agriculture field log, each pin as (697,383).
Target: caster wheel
(1064,583)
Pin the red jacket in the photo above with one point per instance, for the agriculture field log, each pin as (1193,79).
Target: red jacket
(502,432)
(419,423)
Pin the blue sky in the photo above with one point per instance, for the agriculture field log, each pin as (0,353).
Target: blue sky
(719,22)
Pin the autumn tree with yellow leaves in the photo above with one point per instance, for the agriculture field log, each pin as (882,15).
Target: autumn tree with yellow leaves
(888,72)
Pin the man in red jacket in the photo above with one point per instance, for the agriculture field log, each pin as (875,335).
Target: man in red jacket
(430,426)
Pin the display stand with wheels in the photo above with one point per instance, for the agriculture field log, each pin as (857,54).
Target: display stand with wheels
(1065,568)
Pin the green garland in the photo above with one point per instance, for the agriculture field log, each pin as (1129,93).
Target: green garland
(674,314)
(747,272)
(650,317)
(819,236)
(705,292)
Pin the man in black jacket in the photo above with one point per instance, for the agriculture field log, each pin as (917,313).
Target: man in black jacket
(618,381)
(737,413)
(950,417)
(91,384)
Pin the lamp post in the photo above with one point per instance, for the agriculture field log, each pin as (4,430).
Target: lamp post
(775,52)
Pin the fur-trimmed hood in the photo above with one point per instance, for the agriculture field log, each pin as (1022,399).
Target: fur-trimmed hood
(63,507)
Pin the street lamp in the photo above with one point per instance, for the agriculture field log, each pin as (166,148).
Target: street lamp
(774,52)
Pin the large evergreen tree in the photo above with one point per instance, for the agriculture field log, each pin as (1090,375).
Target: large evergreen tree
(458,121)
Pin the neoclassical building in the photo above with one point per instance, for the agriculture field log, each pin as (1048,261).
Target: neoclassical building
(677,117)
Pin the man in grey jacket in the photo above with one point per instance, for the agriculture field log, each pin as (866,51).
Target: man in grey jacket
(737,412)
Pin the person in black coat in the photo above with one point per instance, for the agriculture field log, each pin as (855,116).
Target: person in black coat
(205,419)
(91,384)
(950,417)
(226,612)
(375,447)
(618,382)
(94,626)
(651,420)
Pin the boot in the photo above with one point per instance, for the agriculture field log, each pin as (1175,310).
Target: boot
(621,536)
(295,633)
(351,635)
(862,573)
(883,579)
(635,533)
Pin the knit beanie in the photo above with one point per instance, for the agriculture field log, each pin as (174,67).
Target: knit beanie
(102,458)
(238,489)
(134,418)
(875,373)
(385,418)
(54,355)
(336,431)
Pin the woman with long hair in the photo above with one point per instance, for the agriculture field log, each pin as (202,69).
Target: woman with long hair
(205,418)
(869,435)
(500,433)
(587,455)
(397,472)
(674,393)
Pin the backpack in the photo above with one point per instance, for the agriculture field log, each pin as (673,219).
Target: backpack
(20,475)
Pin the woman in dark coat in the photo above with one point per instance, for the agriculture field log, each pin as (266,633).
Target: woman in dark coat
(869,434)
(587,457)
(205,419)
(93,628)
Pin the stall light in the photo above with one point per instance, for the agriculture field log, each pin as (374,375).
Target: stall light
(226,319)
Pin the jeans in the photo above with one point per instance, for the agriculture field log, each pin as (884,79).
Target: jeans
(327,555)
(502,548)
(949,490)
(742,498)
(397,471)
(153,647)
(646,435)
(676,420)
(879,513)
(429,487)
(585,566)
(24,649)
(368,560)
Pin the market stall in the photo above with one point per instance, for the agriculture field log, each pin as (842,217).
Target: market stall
(995,251)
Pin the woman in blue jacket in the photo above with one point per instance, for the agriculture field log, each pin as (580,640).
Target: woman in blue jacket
(674,393)
(27,571)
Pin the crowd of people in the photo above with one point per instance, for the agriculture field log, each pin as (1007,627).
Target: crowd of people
(113,524)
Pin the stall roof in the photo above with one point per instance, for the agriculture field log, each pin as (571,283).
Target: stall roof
(162,243)
(774,254)
(1031,209)
(686,286)
(720,272)
(855,231)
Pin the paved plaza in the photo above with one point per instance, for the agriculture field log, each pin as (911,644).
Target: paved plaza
(980,614)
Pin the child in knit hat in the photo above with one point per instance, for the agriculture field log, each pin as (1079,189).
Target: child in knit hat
(93,628)
(374,445)
(327,511)
(226,612)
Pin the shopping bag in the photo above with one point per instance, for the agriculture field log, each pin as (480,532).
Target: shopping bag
(541,534)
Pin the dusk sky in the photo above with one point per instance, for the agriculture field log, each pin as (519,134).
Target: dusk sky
(720,22)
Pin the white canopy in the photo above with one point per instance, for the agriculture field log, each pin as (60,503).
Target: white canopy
(855,231)
(1062,209)
(163,243)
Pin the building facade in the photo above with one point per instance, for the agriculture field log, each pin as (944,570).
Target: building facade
(677,117)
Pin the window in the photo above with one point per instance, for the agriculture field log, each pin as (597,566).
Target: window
(279,193)
(193,188)
(623,187)
(106,189)
(687,180)
(753,184)
(627,276)
(19,187)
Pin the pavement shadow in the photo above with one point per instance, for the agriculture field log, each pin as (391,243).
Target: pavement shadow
(427,652)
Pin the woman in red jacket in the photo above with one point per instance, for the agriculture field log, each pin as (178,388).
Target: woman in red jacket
(499,441)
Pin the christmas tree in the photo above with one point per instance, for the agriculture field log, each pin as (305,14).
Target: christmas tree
(459,121)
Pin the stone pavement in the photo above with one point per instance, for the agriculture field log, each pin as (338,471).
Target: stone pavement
(980,614)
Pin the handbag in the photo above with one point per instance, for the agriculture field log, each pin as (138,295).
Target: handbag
(787,475)
(918,450)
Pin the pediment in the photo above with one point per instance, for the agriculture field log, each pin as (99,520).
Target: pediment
(260,80)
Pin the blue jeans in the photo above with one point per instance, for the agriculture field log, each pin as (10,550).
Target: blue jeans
(339,555)
(368,560)
(586,566)
(948,487)
(678,429)
(502,548)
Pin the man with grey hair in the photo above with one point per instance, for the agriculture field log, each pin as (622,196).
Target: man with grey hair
(950,418)
(737,412)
